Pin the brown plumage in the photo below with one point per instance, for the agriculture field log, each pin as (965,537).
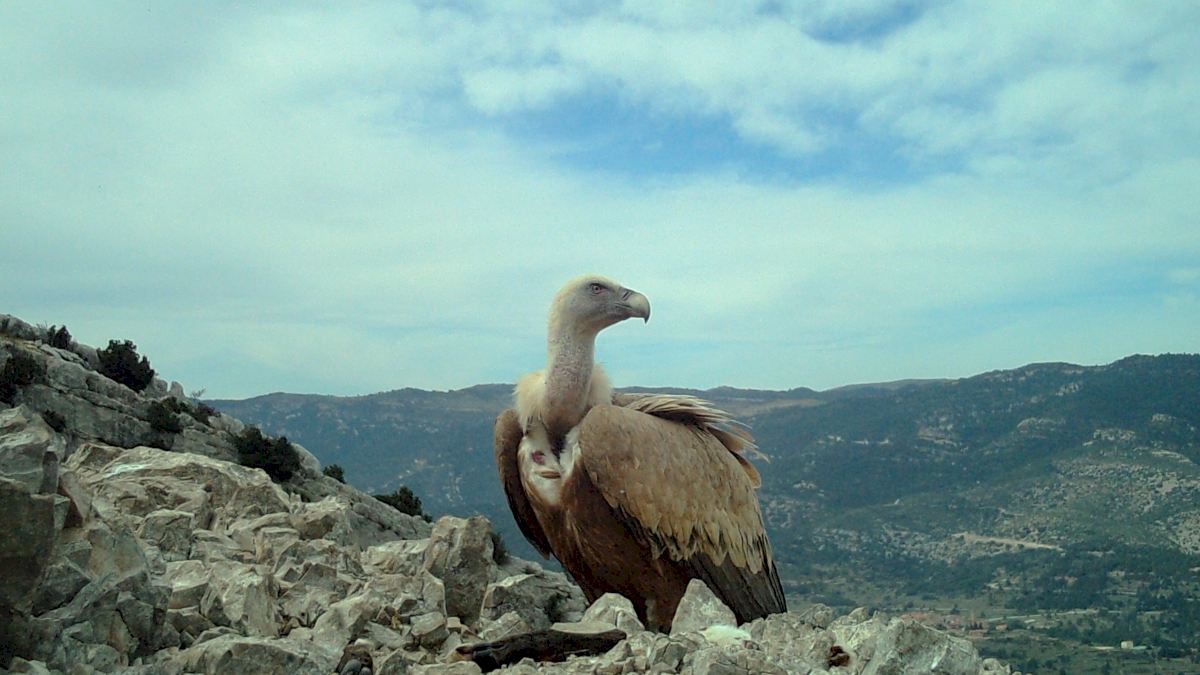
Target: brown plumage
(634,494)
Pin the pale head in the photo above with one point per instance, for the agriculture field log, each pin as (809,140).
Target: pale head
(590,303)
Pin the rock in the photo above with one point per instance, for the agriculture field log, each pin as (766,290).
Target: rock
(429,629)
(461,668)
(615,610)
(905,646)
(30,451)
(33,522)
(309,464)
(170,530)
(699,609)
(539,599)
(460,554)
(396,557)
(508,624)
(242,597)
(143,480)
(242,654)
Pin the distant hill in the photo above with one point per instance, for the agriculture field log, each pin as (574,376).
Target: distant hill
(1047,486)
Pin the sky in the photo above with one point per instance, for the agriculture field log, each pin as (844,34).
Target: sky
(346,198)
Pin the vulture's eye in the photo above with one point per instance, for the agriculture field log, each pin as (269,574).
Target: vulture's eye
(596,288)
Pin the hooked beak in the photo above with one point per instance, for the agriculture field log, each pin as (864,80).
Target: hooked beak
(635,304)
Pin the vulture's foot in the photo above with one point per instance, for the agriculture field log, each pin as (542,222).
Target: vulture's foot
(539,645)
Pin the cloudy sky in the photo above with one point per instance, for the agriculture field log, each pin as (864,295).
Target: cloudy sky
(359,197)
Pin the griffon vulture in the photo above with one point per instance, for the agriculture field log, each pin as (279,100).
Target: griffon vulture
(634,494)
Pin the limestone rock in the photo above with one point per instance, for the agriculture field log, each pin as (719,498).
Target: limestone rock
(242,597)
(700,608)
(242,654)
(30,451)
(615,610)
(539,599)
(460,554)
(32,525)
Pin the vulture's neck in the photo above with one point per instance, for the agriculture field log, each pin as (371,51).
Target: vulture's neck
(568,378)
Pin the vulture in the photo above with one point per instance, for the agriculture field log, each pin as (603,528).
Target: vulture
(633,494)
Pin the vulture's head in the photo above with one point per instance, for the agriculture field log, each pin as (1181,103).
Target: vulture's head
(591,303)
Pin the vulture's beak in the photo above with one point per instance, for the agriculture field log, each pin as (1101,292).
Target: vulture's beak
(635,304)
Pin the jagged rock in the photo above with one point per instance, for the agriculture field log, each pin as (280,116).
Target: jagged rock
(905,646)
(345,620)
(32,524)
(508,624)
(242,654)
(143,480)
(615,610)
(396,557)
(462,668)
(700,608)
(170,530)
(460,554)
(429,629)
(30,451)
(242,597)
(20,665)
(540,599)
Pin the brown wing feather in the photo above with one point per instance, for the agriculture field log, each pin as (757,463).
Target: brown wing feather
(682,491)
(507,434)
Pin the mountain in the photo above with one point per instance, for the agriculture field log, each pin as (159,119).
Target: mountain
(1051,487)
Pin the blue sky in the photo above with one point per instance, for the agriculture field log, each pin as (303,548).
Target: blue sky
(359,197)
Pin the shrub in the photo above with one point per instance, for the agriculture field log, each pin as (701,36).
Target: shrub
(19,370)
(54,420)
(277,457)
(202,412)
(404,501)
(163,416)
(59,337)
(120,363)
(335,472)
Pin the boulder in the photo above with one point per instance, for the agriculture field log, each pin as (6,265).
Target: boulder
(30,451)
(460,554)
(539,599)
(247,654)
(699,609)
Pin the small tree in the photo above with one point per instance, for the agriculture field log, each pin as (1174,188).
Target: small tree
(335,472)
(59,337)
(404,501)
(163,417)
(277,457)
(120,363)
(19,370)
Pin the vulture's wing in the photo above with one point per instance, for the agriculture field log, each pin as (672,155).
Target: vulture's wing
(508,436)
(680,488)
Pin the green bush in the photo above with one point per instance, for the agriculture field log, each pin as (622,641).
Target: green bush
(120,363)
(163,416)
(404,501)
(202,412)
(19,370)
(335,472)
(59,337)
(277,457)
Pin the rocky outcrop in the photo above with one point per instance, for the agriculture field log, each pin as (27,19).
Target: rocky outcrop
(129,549)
